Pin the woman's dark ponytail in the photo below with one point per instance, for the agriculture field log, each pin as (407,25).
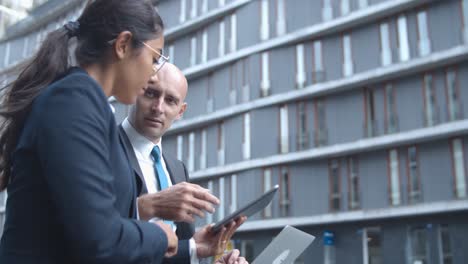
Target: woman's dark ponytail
(50,61)
(101,22)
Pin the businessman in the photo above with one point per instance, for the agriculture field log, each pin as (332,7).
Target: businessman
(162,179)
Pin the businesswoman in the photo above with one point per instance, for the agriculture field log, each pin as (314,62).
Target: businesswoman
(71,194)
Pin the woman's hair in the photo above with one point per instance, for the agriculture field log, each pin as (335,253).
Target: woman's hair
(100,23)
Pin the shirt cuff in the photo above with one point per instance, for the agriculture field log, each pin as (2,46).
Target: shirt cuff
(193,252)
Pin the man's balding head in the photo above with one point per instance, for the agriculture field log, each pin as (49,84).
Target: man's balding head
(161,104)
(171,75)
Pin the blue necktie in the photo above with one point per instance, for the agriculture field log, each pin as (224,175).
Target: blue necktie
(160,174)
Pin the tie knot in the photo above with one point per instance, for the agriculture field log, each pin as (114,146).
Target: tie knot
(156,153)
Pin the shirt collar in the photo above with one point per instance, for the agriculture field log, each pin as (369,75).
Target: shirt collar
(140,143)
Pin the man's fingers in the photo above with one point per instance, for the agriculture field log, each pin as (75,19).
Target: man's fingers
(234,255)
(242,260)
(201,204)
(206,196)
(196,211)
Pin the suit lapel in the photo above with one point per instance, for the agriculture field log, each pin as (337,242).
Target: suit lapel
(132,158)
(174,169)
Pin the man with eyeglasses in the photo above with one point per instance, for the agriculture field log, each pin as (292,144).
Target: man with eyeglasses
(165,193)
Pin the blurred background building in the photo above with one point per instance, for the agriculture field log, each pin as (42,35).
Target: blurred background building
(356,108)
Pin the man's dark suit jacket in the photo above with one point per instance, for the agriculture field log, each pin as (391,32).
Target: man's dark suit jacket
(178,173)
(72,190)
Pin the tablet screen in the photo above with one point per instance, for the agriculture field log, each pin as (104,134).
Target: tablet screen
(249,209)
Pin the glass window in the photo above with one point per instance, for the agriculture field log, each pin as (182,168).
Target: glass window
(233,84)
(281,18)
(204,51)
(222,38)
(431,117)
(414,180)
(372,245)
(183,11)
(354,200)
(6,59)
(386,51)
(265,83)
(284,129)
(319,71)
(180,145)
(335,192)
(300,67)
(210,100)
(25,53)
(347,56)
(191,153)
(459,167)
(464,5)
(171,53)
(220,209)
(221,2)
(267,184)
(203,150)
(193,51)
(370,125)
(453,98)
(285,198)
(327,10)
(204,6)
(424,43)
(395,197)
(265,23)
(233,40)
(246,141)
(345,7)
(302,127)
(221,144)
(321,134)
(363,4)
(194,10)
(419,249)
(233,205)
(247,249)
(391,124)
(403,42)
(209,216)
(445,245)
(245,81)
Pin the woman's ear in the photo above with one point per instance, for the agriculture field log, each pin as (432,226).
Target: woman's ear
(123,44)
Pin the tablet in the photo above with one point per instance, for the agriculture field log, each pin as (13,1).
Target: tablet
(249,209)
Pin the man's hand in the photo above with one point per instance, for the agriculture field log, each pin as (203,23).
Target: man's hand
(210,243)
(231,258)
(179,203)
(172,241)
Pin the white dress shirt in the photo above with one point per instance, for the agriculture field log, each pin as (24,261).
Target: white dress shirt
(142,148)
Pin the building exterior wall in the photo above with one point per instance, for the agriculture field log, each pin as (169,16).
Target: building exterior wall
(358,110)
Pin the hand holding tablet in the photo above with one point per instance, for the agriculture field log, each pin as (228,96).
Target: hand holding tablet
(248,210)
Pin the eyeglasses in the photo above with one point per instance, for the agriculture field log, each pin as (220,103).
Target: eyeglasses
(160,60)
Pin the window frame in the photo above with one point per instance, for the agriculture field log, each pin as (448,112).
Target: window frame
(285,193)
(332,195)
(412,191)
(423,33)
(403,39)
(390,178)
(456,187)
(283,129)
(353,204)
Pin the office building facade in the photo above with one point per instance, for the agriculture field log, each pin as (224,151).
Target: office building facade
(355,108)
